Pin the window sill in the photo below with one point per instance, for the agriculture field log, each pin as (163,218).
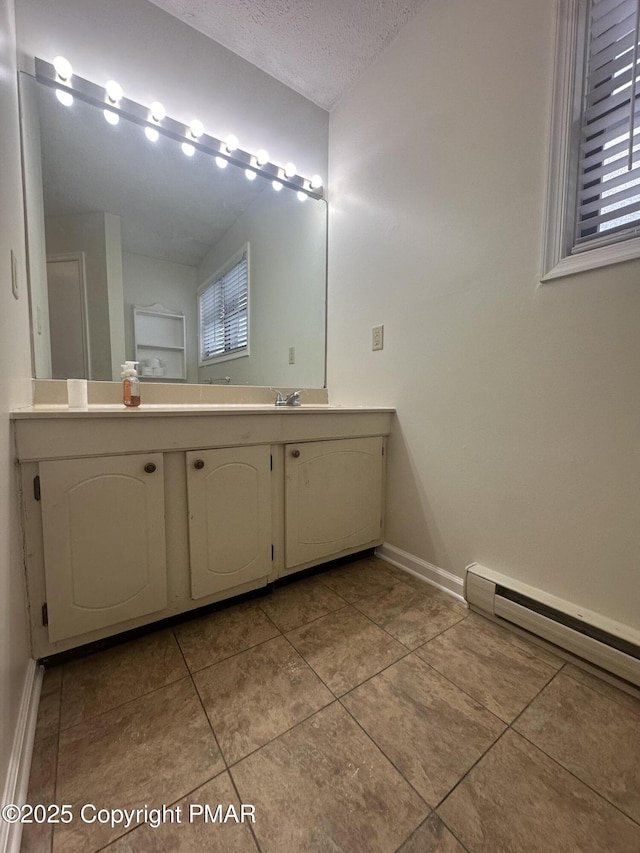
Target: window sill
(220,358)
(593,258)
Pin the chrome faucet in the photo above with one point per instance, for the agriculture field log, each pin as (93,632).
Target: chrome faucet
(292,399)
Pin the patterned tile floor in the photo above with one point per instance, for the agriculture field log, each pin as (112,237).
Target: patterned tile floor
(358,710)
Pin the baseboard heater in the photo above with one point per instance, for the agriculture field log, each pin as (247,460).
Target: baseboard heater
(594,638)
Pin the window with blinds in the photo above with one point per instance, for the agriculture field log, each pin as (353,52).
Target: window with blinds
(593,189)
(608,204)
(223,308)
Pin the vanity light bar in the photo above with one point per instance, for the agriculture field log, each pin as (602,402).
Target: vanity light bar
(97,96)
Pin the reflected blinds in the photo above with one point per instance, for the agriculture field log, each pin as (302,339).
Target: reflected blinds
(609,161)
(224,321)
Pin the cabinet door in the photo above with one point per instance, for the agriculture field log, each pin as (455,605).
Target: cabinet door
(104,544)
(333,497)
(229,517)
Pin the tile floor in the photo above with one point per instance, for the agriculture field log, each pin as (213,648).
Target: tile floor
(358,710)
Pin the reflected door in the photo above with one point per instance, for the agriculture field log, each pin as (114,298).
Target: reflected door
(68,317)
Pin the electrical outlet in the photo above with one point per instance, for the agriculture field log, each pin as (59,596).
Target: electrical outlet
(14,275)
(377,337)
(292,355)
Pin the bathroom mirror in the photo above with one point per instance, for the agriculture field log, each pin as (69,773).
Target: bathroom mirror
(116,221)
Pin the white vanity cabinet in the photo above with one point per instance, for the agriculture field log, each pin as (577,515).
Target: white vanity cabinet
(103,537)
(230,531)
(131,517)
(333,498)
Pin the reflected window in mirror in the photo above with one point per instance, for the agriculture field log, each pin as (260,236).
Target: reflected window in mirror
(223,311)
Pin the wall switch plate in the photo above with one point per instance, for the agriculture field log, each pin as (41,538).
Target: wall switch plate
(377,337)
(292,355)
(14,275)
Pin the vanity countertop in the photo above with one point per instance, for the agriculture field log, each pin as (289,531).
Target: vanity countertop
(187,409)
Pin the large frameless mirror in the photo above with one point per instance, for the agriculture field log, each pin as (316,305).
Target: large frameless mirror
(124,232)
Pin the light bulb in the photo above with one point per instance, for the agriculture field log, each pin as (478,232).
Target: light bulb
(276,185)
(262,157)
(231,142)
(302,196)
(196,128)
(62,67)
(65,98)
(221,163)
(251,175)
(289,170)
(316,182)
(111,117)
(189,150)
(152,134)
(114,91)
(157,111)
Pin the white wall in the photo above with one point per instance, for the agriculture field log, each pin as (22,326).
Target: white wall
(151,280)
(518,432)
(287,263)
(15,390)
(156,57)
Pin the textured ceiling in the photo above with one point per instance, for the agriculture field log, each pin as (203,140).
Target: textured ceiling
(316,47)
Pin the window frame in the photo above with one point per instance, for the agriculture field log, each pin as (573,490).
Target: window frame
(562,174)
(231,355)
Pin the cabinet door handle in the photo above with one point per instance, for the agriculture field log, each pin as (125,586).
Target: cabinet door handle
(199,463)
(295,453)
(150,467)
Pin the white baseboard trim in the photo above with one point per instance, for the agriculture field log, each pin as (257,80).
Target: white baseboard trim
(17,779)
(440,578)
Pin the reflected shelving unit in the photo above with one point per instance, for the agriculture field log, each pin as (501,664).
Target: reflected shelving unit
(159,343)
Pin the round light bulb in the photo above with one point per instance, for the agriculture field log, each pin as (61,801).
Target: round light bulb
(302,196)
(262,157)
(187,149)
(152,134)
(316,182)
(196,128)
(276,185)
(62,67)
(231,142)
(157,111)
(111,117)
(65,98)
(290,170)
(221,163)
(251,175)
(114,91)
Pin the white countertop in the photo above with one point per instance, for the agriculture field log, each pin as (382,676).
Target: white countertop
(189,410)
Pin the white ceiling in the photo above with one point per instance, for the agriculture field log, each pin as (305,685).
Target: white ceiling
(316,47)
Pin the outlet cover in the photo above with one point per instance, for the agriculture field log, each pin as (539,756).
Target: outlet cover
(292,355)
(377,338)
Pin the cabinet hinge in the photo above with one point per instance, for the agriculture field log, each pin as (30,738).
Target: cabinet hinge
(45,614)
(271,462)
(272,552)
(36,487)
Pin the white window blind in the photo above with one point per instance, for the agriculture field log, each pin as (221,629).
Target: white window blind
(224,320)
(609,160)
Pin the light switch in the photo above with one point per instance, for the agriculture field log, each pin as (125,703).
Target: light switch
(292,355)
(377,338)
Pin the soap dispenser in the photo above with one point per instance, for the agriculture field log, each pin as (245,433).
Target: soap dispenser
(130,385)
